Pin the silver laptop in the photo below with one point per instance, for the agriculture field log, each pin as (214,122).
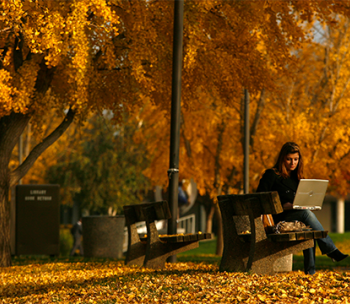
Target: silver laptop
(310,194)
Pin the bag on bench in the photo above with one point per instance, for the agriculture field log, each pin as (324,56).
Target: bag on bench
(285,227)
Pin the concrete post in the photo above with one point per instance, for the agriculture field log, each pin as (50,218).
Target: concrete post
(340,218)
(103,236)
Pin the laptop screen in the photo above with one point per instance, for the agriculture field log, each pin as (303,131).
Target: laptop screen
(310,194)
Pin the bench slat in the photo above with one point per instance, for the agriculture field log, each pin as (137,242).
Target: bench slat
(206,236)
(191,237)
(161,209)
(268,202)
(297,236)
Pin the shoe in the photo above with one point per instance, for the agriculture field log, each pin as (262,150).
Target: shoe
(311,272)
(337,256)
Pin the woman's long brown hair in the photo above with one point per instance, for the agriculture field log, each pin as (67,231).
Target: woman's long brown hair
(280,168)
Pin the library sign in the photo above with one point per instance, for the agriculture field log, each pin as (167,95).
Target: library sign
(38,195)
(37,219)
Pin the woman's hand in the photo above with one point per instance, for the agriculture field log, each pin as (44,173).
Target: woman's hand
(287,206)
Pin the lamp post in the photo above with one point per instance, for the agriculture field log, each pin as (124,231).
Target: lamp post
(20,153)
(246,142)
(173,172)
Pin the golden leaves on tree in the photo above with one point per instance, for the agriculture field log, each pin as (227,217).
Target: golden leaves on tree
(60,36)
(297,83)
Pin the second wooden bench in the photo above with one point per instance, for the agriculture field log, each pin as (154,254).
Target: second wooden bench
(153,250)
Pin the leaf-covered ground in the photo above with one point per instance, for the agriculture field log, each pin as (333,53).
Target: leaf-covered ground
(112,282)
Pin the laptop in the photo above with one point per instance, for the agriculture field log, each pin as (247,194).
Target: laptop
(310,194)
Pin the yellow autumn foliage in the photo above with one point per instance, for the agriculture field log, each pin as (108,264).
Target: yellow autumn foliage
(308,103)
(59,32)
(311,109)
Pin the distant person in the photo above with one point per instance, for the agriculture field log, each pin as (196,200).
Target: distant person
(77,232)
(182,197)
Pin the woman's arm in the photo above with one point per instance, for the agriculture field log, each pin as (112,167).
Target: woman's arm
(267,181)
(266,185)
(287,206)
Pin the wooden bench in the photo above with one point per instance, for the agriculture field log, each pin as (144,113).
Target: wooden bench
(153,250)
(257,251)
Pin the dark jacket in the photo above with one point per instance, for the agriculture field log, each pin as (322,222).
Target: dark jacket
(286,187)
(77,231)
(182,197)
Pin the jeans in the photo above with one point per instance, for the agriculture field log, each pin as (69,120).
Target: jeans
(309,219)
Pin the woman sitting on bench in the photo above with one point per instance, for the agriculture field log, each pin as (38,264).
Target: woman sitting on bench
(284,178)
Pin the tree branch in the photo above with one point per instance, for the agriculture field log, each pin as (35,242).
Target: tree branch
(261,105)
(186,141)
(17,52)
(22,169)
(217,179)
(11,127)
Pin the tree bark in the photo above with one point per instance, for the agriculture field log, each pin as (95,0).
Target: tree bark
(209,222)
(11,127)
(215,211)
(255,124)
(219,238)
(5,245)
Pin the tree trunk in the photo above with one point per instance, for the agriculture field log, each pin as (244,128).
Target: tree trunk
(11,127)
(5,245)
(209,223)
(220,236)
